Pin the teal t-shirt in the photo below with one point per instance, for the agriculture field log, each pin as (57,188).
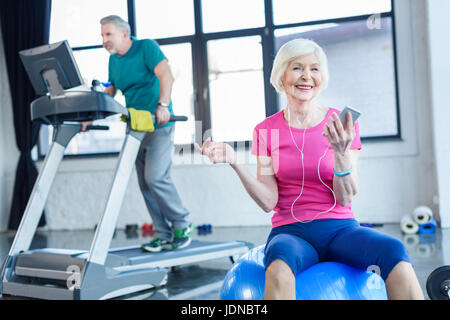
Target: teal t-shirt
(133,74)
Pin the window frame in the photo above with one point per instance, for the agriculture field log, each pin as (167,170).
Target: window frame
(198,42)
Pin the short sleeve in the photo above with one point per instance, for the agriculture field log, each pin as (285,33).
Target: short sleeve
(152,54)
(110,71)
(260,142)
(356,144)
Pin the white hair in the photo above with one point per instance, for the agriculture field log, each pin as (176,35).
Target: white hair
(118,22)
(292,50)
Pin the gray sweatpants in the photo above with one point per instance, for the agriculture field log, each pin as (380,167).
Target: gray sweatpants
(153,166)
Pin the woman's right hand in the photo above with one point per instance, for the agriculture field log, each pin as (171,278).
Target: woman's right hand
(217,152)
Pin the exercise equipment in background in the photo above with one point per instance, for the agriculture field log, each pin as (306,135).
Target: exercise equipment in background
(419,221)
(204,229)
(419,230)
(408,225)
(422,215)
(438,284)
(100,272)
(147,229)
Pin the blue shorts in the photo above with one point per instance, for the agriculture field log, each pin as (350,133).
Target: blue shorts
(301,245)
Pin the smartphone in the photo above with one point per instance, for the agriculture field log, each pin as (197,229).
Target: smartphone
(355,114)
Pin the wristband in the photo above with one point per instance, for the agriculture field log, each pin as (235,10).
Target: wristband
(343,173)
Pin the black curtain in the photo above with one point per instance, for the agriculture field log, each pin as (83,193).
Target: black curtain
(25,24)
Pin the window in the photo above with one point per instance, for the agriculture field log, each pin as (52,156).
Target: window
(232,15)
(78,22)
(221,54)
(236,84)
(164,19)
(288,11)
(180,60)
(361,66)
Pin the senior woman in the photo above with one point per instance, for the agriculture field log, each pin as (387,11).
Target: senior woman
(307,174)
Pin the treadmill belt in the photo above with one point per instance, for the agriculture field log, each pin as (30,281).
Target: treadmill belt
(137,256)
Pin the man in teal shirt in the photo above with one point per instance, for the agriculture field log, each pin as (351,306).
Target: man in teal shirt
(140,70)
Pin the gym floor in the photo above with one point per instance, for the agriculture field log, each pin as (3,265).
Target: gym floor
(202,281)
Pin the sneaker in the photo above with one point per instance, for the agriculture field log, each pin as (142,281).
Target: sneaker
(157,245)
(182,238)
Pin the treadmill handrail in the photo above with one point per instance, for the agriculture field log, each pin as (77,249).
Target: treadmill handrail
(89,105)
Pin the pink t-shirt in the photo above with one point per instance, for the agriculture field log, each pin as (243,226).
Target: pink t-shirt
(273,138)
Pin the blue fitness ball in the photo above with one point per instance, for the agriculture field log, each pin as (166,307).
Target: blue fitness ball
(323,281)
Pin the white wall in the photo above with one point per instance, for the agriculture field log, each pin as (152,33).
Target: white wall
(395,176)
(438,41)
(8,149)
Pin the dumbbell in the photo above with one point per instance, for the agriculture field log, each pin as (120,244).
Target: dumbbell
(147,229)
(131,231)
(438,284)
(204,229)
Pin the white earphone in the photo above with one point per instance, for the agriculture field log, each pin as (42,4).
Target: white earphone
(303,173)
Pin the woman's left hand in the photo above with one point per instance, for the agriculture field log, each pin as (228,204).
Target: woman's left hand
(217,152)
(339,136)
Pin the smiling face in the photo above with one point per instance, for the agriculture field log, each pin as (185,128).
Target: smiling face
(302,78)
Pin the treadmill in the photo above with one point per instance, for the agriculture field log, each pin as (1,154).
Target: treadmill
(101,272)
